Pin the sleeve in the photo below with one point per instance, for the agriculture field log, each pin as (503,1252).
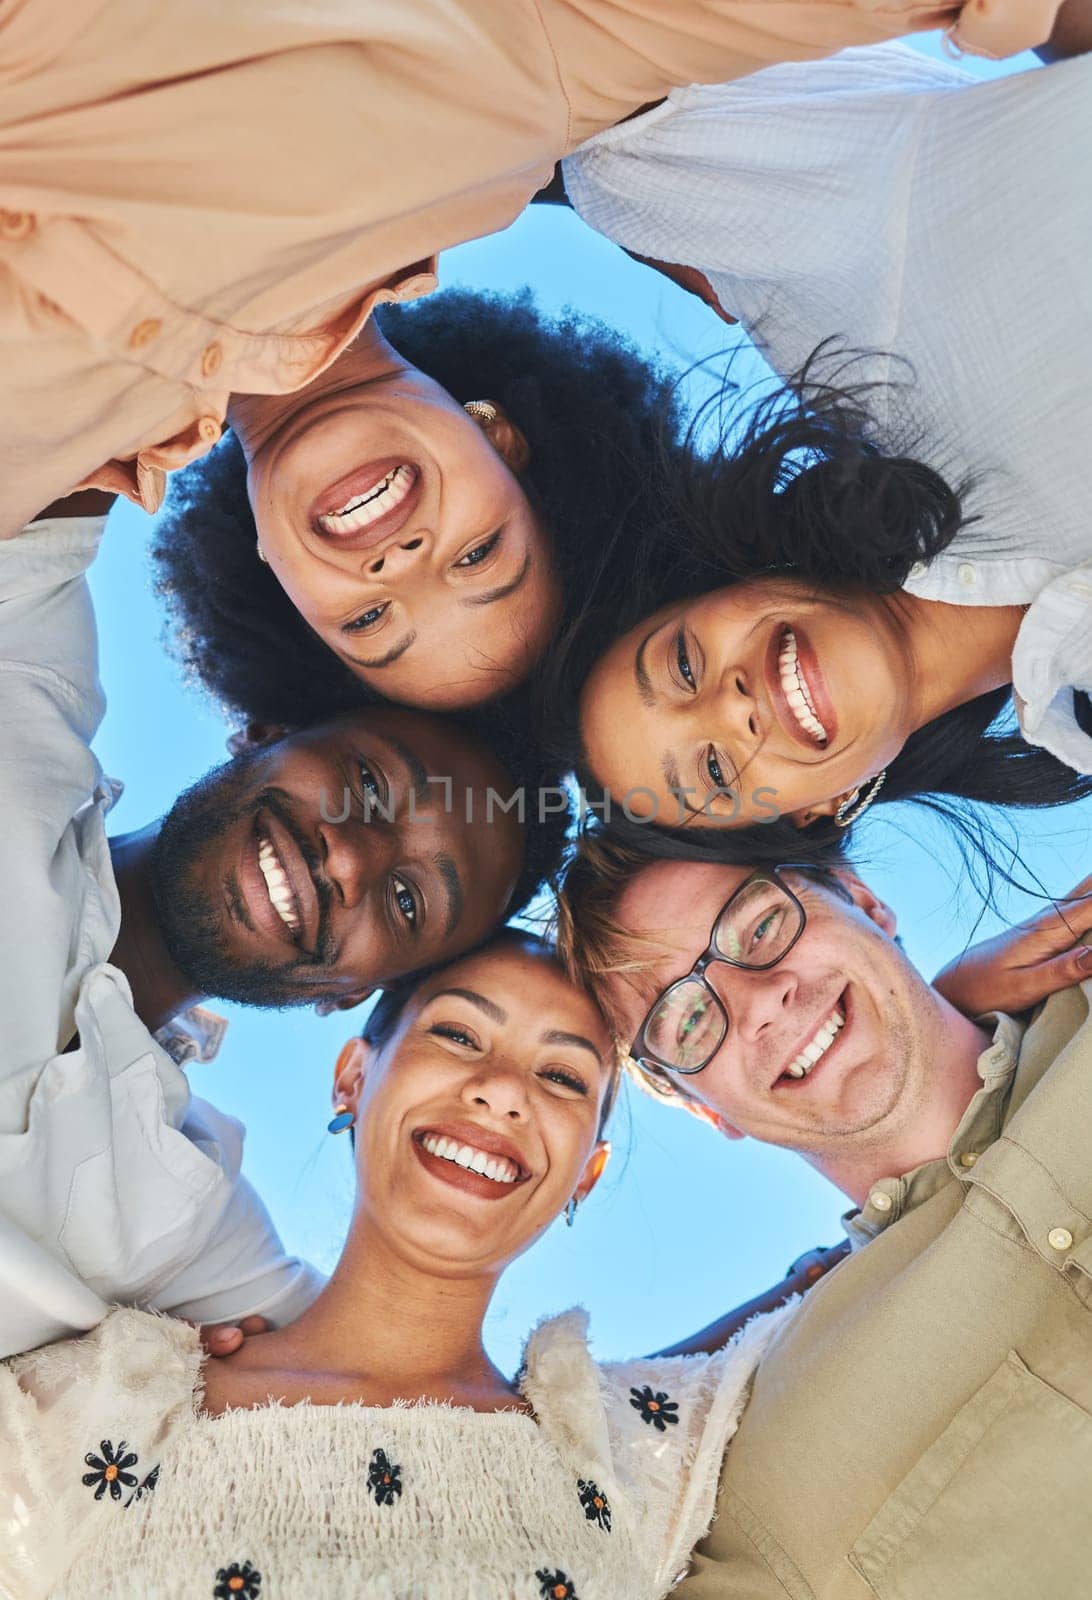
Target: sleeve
(671,1419)
(118,1393)
(243,1270)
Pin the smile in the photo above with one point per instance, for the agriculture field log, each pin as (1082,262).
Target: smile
(363,509)
(795,689)
(817,1046)
(277,885)
(496,1168)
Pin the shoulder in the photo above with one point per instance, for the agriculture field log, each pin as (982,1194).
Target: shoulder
(133,1352)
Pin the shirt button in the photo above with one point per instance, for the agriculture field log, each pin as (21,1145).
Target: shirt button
(145,332)
(210,429)
(16,224)
(211,358)
(968,577)
(968,1158)
(918,569)
(1060,1239)
(881,1201)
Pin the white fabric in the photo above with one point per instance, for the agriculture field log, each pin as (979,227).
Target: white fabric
(488,1502)
(114,1183)
(888,199)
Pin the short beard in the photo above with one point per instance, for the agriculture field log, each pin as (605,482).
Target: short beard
(189,924)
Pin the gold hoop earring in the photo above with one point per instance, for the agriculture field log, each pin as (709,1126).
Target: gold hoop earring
(261,553)
(483,411)
(845,815)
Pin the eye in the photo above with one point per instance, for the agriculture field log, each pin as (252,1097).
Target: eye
(405,901)
(567,1079)
(475,557)
(368,780)
(682,660)
(449,1030)
(712,766)
(767,927)
(366,619)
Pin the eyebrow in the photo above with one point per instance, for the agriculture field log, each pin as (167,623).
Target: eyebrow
(559,1036)
(449,872)
(417,772)
(392,655)
(472,997)
(489,597)
(640,671)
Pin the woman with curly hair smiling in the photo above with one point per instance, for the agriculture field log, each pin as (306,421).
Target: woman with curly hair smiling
(411,520)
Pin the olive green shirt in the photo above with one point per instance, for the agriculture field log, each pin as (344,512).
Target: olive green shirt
(922,1428)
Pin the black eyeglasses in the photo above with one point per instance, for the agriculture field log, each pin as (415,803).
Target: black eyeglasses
(755,929)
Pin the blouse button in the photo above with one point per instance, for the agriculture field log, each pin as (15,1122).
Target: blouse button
(918,569)
(881,1201)
(1060,1239)
(968,1158)
(16,224)
(210,359)
(968,577)
(210,429)
(145,332)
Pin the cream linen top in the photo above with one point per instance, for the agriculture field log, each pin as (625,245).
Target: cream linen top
(198,199)
(113,1483)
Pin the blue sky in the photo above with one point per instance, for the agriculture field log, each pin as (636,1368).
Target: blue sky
(685,1224)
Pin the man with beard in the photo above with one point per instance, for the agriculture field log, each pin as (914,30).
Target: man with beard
(313,867)
(923,1426)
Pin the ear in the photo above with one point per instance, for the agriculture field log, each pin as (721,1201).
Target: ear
(507,439)
(345,1002)
(254,735)
(594,1169)
(877,910)
(353,1060)
(822,808)
(713,1118)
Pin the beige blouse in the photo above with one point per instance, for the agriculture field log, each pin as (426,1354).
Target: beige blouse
(198,199)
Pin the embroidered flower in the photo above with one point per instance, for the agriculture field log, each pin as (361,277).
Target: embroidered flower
(555,1585)
(111,1469)
(237,1582)
(654,1407)
(147,1486)
(384,1478)
(595,1503)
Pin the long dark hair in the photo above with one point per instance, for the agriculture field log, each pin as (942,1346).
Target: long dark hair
(804,484)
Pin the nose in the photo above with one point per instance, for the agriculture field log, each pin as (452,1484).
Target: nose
(739,706)
(401,556)
(356,854)
(755,1001)
(500,1089)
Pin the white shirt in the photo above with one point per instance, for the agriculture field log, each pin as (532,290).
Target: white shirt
(115,1184)
(606,1488)
(888,199)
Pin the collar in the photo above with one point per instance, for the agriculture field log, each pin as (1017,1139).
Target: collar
(1051,657)
(978,1128)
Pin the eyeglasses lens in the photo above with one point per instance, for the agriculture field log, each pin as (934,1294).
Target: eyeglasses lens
(757,927)
(687,1027)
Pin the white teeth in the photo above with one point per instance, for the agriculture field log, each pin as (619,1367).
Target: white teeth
(498,1168)
(277,886)
(817,1047)
(363,510)
(796,690)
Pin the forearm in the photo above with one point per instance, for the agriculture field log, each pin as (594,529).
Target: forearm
(803,1274)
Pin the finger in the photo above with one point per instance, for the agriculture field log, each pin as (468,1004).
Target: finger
(253,1325)
(223,1340)
(1074,966)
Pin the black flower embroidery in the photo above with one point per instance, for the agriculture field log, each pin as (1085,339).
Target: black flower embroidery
(147,1486)
(555,1585)
(240,1581)
(655,1407)
(595,1503)
(111,1469)
(384,1478)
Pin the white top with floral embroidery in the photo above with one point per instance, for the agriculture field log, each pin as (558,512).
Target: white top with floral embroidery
(113,1483)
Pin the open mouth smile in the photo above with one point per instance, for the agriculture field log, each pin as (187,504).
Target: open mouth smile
(372,501)
(794,686)
(807,1059)
(471,1159)
(277,885)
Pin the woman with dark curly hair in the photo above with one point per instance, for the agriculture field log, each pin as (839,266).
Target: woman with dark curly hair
(411,520)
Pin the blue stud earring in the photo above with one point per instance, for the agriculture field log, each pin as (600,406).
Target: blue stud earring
(341,1119)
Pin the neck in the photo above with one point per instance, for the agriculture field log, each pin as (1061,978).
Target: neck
(390,1328)
(956,652)
(923,1124)
(256,418)
(160,990)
